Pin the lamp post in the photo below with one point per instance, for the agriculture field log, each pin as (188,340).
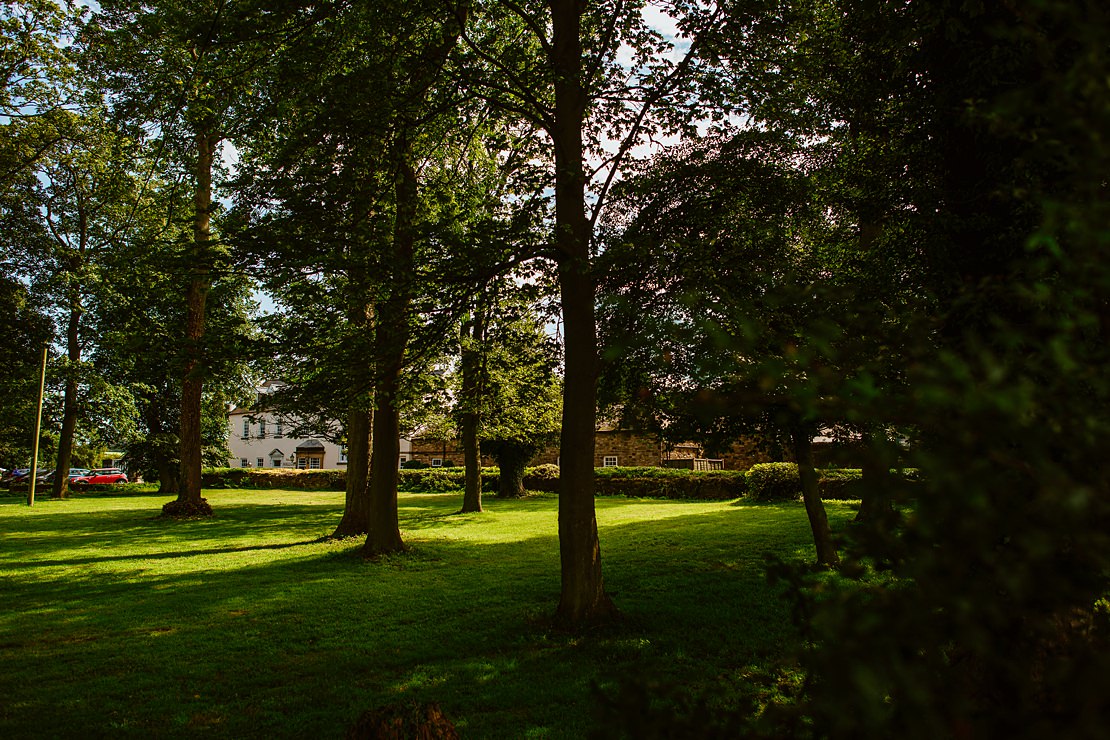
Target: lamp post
(38,429)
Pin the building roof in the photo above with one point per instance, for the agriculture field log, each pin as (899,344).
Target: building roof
(311,444)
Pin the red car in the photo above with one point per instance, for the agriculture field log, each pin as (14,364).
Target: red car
(99,477)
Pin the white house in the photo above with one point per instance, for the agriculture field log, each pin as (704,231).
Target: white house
(260,439)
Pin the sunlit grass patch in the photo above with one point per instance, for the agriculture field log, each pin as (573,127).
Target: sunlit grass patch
(249,624)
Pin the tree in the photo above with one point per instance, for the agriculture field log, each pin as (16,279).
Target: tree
(36,82)
(81,193)
(556,65)
(961,149)
(718,300)
(28,330)
(342,183)
(182,71)
(523,393)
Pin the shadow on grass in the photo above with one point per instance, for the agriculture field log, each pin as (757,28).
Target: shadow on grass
(312,636)
(161,555)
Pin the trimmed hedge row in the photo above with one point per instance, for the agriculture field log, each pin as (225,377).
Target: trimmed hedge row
(763,482)
(780,482)
(671,483)
(307,480)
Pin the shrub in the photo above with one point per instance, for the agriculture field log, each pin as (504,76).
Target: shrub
(840,484)
(307,480)
(774,482)
(673,483)
(438,480)
(413,465)
(542,478)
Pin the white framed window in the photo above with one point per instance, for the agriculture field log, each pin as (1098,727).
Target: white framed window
(246,428)
(277,429)
(343,455)
(403,459)
(261,428)
(244,462)
(437,462)
(275,462)
(314,463)
(259,463)
(609,461)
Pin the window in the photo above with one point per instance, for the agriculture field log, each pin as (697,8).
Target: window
(261,428)
(275,462)
(246,429)
(610,461)
(259,463)
(437,462)
(403,460)
(277,428)
(314,463)
(244,463)
(343,455)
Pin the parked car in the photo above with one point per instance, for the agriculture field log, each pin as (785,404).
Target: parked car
(78,473)
(100,477)
(21,479)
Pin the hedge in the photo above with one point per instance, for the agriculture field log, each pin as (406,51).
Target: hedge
(763,482)
(307,480)
(671,483)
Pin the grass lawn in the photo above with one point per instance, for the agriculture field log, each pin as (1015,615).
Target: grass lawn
(115,623)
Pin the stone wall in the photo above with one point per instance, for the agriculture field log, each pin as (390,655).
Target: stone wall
(426,449)
(745,453)
(632,449)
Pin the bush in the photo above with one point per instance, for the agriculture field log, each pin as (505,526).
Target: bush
(672,483)
(774,482)
(542,478)
(438,480)
(305,480)
(413,465)
(840,484)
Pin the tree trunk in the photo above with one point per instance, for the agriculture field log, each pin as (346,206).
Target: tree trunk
(360,414)
(168,476)
(60,488)
(165,464)
(390,342)
(471,417)
(356,510)
(189,501)
(815,510)
(472,461)
(583,599)
(510,479)
(383,534)
(876,505)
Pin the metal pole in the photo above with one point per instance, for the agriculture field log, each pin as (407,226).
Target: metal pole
(38,428)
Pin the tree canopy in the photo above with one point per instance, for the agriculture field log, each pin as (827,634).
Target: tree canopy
(884,220)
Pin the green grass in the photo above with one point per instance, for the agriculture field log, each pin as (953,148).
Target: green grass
(115,623)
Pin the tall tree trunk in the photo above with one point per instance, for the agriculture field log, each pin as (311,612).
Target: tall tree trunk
(512,462)
(582,599)
(356,509)
(165,464)
(390,342)
(60,488)
(189,501)
(470,422)
(877,504)
(360,414)
(169,472)
(802,438)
